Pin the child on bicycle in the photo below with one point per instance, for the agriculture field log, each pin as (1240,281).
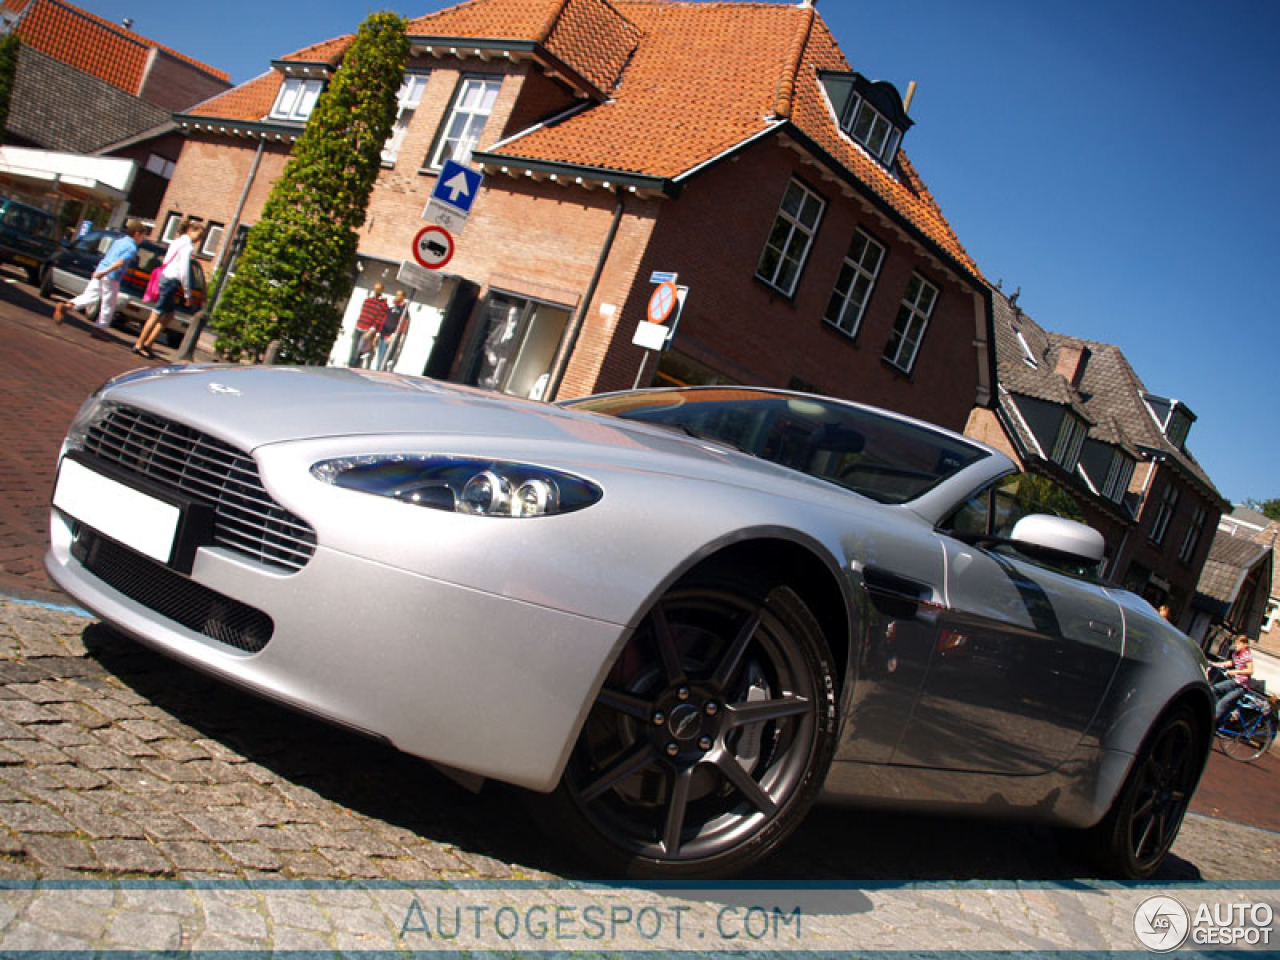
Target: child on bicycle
(1238,670)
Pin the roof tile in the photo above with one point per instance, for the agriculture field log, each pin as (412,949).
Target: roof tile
(91,44)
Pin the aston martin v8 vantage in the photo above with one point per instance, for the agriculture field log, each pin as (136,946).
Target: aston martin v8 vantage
(681,615)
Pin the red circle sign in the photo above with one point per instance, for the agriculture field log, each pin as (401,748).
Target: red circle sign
(661,303)
(433,247)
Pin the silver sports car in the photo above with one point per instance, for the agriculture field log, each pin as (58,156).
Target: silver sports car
(683,615)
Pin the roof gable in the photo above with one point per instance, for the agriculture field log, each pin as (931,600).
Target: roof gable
(91,44)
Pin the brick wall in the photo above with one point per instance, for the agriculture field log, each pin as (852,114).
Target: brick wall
(713,236)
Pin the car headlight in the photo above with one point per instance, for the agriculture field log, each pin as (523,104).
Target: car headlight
(488,488)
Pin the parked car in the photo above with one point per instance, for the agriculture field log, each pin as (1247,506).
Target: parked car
(681,614)
(27,236)
(68,272)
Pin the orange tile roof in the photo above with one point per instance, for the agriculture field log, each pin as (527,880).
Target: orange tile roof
(686,81)
(589,36)
(254,99)
(91,44)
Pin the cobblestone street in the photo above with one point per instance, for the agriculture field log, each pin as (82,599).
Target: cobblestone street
(115,761)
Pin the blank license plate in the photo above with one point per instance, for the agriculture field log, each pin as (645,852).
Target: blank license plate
(120,512)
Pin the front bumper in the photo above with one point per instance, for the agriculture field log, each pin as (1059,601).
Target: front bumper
(467,678)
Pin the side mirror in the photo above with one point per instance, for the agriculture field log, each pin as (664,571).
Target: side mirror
(1058,536)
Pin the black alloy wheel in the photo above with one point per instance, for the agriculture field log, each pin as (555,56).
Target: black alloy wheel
(1136,835)
(710,738)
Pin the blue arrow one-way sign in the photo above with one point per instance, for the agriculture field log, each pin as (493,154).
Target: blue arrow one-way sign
(457,186)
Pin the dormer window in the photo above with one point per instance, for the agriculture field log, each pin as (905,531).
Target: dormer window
(872,113)
(1172,416)
(1179,427)
(1119,473)
(1070,439)
(297,99)
(866,125)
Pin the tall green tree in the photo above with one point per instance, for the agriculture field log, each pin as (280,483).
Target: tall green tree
(1268,508)
(298,264)
(9,45)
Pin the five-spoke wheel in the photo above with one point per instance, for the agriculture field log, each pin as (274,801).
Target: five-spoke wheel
(1134,838)
(710,737)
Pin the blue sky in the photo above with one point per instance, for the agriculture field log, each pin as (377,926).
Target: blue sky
(1118,162)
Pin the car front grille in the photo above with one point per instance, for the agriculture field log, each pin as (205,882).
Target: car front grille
(247,520)
(172,595)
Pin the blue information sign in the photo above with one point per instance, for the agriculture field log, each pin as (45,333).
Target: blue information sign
(457,186)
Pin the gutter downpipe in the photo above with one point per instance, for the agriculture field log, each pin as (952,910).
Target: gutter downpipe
(571,339)
(194,328)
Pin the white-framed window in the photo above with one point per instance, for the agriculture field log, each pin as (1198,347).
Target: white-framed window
(869,127)
(160,166)
(913,320)
(791,237)
(213,235)
(1168,505)
(1067,444)
(466,122)
(407,101)
(857,276)
(172,224)
(1119,473)
(1273,615)
(1191,539)
(297,98)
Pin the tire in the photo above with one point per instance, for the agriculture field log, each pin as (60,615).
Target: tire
(46,283)
(1134,838)
(172,338)
(33,275)
(1249,736)
(666,780)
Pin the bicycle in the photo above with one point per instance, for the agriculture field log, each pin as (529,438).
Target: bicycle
(1248,729)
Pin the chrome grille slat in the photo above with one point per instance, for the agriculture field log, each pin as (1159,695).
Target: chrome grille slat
(247,520)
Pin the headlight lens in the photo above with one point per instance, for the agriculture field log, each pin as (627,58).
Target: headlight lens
(488,488)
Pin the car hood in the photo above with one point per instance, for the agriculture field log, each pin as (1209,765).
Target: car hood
(250,407)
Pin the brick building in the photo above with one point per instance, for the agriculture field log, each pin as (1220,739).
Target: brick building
(1244,523)
(1076,411)
(729,143)
(85,85)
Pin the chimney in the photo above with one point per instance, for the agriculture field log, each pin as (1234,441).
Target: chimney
(1072,360)
(911,94)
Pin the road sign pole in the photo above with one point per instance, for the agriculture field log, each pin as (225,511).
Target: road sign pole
(644,362)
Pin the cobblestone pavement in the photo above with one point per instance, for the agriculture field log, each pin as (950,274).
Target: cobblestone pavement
(115,761)
(146,807)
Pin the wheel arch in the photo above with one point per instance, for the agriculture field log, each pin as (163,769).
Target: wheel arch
(799,567)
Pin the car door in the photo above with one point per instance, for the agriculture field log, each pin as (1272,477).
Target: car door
(1023,656)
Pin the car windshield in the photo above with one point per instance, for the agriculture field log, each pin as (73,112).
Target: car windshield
(865,450)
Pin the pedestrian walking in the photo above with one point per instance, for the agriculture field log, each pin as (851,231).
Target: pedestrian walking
(104,284)
(390,334)
(175,278)
(373,313)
